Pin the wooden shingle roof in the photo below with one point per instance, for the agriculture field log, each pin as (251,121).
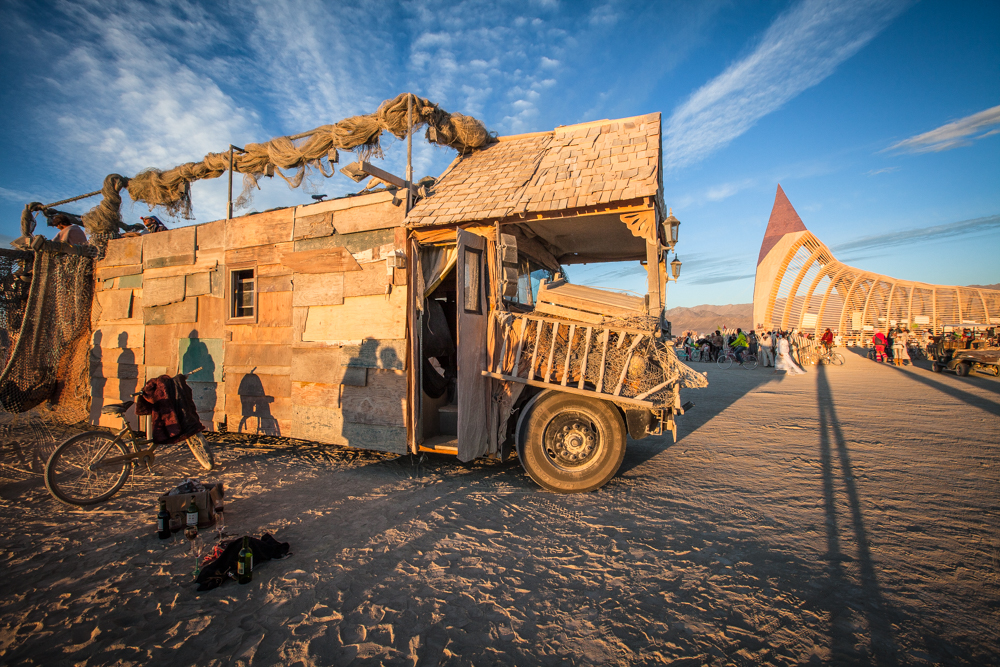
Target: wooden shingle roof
(570,167)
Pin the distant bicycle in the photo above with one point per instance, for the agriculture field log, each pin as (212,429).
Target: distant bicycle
(727,357)
(830,358)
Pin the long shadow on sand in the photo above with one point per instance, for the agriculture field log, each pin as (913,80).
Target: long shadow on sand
(879,615)
(954,392)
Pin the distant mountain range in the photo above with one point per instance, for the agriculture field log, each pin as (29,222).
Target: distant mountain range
(704,319)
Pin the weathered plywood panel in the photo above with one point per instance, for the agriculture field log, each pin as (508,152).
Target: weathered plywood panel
(118,335)
(239,354)
(317,289)
(196,284)
(269,254)
(318,394)
(115,271)
(324,260)
(201,266)
(358,242)
(274,283)
(109,368)
(371,280)
(253,384)
(211,318)
(313,226)
(381,402)
(161,345)
(323,365)
(133,281)
(368,218)
(122,252)
(170,248)
(260,229)
(272,270)
(360,317)
(185,311)
(274,309)
(211,235)
(372,353)
(155,372)
(124,355)
(163,291)
(249,333)
(318,424)
(259,415)
(115,304)
(380,438)
(206,354)
(114,390)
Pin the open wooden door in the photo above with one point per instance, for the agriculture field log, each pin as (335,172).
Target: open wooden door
(473,387)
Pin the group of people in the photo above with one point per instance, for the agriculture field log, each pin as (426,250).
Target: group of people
(772,348)
(891,347)
(71,232)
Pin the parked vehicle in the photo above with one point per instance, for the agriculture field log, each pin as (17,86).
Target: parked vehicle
(948,354)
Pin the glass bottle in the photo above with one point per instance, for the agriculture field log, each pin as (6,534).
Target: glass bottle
(163,522)
(192,513)
(244,564)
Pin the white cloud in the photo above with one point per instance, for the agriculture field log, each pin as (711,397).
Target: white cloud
(801,48)
(962,132)
(884,170)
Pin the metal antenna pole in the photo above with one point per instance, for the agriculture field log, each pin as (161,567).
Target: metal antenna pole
(409,152)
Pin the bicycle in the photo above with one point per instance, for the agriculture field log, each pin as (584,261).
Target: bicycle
(830,358)
(727,357)
(81,472)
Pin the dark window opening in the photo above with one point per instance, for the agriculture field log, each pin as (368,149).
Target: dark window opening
(243,293)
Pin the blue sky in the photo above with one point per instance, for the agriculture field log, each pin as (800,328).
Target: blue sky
(879,119)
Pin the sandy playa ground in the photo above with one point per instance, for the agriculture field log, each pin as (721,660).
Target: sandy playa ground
(848,516)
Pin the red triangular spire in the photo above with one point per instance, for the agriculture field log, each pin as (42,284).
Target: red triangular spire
(784,220)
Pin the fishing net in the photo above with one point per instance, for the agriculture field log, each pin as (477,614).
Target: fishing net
(46,332)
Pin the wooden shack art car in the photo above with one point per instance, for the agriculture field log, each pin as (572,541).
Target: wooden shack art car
(450,328)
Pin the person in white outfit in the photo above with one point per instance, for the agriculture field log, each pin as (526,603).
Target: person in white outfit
(766,354)
(784,360)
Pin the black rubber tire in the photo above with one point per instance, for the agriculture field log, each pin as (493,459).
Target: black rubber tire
(935,368)
(546,462)
(67,463)
(199,447)
(962,369)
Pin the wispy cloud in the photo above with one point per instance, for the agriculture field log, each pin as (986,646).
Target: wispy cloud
(801,48)
(952,230)
(884,170)
(701,269)
(962,132)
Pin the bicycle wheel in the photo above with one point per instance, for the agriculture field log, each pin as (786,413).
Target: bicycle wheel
(749,361)
(725,361)
(75,475)
(836,358)
(199,447)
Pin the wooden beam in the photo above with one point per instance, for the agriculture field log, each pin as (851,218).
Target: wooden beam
(586,356)
(628,361)
(604,356)
(552,351)
(569,352)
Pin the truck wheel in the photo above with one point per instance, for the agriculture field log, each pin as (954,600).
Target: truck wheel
(935,368)
(571,444)
(962,369)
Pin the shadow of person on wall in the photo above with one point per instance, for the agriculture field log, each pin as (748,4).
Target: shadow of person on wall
(198,358)
(254,403)
(97,379)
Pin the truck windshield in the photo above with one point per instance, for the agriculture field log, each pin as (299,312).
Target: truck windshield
(530,274)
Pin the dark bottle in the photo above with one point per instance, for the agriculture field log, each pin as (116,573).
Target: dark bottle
(192,513)
(244,564)
(163,522)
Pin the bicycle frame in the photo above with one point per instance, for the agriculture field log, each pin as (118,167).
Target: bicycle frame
(136,438)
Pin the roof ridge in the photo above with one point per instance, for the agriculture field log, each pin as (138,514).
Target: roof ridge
(577,126)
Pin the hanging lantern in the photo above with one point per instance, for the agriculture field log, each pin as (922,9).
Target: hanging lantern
(675,267)
(670,229)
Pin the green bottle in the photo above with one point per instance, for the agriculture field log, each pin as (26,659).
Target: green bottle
(244,564)
(192,513)
(163,522)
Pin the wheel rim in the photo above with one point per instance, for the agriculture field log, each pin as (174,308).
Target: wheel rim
(572,442)
(73,474)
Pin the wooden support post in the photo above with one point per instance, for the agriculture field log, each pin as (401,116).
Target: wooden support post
(586,356)
(569,352)
(534,350)
(552,351)
(604,357)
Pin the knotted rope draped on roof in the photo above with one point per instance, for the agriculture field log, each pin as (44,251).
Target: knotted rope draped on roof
(172,188)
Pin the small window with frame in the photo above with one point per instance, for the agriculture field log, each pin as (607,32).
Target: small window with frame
(243,294)
(472,263)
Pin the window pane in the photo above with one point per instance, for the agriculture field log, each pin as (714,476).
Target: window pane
(471,267)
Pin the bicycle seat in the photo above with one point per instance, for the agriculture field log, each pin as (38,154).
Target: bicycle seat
(116,409)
